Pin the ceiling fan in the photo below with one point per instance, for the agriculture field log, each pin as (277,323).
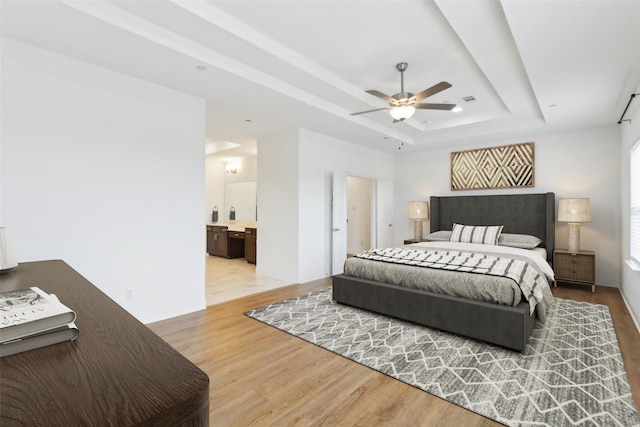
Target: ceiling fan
(402,105)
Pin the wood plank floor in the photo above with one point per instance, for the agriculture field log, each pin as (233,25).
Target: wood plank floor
(261,376)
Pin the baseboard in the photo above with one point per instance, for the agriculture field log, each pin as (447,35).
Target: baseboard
(633,317)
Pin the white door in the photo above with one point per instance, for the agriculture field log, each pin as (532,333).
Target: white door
(339,223)
(384,214)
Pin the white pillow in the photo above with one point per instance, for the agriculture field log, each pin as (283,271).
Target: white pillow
(485,234)
(439,236)
(523,241)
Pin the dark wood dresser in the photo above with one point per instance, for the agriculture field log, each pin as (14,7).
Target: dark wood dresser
(118,372)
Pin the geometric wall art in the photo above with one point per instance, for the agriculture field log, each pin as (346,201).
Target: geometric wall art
(507,166)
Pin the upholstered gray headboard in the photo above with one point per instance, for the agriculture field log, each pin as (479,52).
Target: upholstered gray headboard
(519,213)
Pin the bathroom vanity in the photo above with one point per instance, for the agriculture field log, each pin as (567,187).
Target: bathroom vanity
(232,241)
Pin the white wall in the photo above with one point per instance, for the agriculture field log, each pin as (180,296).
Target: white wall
(320,156)
(295,171)
(105,172)
(630,282)
(277,249)
(582,163)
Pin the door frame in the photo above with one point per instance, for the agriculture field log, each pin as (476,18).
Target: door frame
(339,216)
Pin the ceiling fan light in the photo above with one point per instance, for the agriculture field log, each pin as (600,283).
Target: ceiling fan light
(402,112)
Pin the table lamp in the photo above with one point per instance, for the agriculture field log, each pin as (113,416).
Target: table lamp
(574,211)
(7,256)
(418,211)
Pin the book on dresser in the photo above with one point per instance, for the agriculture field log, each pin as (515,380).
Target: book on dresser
(29,312)
(64,333)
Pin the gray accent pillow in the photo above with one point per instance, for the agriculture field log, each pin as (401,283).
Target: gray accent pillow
(483,234)
(440,236)
(523,241)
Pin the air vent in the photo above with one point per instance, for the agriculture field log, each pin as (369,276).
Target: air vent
(469,98)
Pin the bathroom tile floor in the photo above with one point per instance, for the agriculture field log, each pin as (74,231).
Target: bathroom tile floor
(228,279)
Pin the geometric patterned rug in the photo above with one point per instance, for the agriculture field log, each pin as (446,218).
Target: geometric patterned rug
(571,373)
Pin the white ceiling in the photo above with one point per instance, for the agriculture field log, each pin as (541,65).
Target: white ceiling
(272,65)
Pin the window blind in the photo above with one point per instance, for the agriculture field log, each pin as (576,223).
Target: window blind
(635,203)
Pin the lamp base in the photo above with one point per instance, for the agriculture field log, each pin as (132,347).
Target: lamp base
(417,230)
(8,259)
(574,237)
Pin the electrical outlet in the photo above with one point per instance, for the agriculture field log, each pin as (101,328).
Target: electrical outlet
(128,293)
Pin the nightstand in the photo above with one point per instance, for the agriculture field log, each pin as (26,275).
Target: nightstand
(575,267)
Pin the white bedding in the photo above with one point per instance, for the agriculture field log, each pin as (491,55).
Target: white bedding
(537,255)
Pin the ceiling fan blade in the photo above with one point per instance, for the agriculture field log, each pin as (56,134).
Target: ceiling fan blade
(431,91)
(380,95)
(369,111)
(435,106)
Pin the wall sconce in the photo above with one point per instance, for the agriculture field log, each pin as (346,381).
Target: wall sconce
(418,211)
(574,211)
(231,169)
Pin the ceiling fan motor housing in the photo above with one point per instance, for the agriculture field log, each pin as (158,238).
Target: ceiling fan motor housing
(402,97)
(402,66)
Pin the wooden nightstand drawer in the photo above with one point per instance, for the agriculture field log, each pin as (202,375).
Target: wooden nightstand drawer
(579,267)
(576,267)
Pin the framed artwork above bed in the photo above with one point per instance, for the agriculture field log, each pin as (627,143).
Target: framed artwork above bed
(506,166)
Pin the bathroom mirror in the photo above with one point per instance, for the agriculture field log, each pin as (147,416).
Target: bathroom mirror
(241,196)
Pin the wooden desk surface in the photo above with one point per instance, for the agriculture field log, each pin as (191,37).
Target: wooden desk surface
(118,372)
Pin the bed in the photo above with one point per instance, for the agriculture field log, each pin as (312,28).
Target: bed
(503,325)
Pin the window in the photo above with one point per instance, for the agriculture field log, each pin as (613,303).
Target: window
(634,186)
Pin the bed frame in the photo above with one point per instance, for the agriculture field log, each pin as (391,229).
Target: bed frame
(506,326)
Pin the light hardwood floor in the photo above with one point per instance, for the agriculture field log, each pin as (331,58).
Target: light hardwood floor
(261,376)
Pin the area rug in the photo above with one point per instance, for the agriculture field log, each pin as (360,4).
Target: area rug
(570,374)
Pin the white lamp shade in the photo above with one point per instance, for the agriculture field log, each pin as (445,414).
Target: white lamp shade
(402,112)
(7,256)
(574,210)
(418,210)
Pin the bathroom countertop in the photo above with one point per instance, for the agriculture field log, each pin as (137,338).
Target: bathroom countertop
(235,226)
